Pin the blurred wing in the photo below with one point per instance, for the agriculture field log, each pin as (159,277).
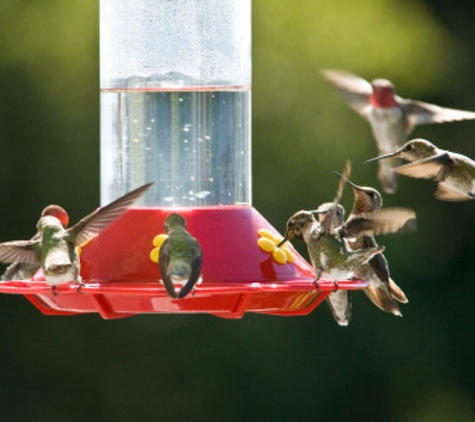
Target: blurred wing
(352,88)
(91,225)
(420,113)
(164,259)
(444,193)
(21,251)
(394,220)
(358,227)
(437,167)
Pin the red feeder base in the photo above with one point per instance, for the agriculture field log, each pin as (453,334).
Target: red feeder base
(121,280)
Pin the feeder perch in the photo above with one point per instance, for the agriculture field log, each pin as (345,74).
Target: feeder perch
(175,110)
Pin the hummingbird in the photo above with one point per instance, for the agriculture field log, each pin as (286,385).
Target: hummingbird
(381,289)
(54,247)
(391,117)
(328,252)
(454,173)
(22,271)
(180,257)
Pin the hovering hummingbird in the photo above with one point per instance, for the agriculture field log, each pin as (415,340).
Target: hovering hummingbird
(391,117)
(54,247)
(381,290)
(328,252)
(180,257)
(22,271)
(454,173)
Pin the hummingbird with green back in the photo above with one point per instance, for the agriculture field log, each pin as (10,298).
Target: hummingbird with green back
(391,117)
(329,254)
(180,258)
(54,247)
(454,173)
(381,289)
(22,271)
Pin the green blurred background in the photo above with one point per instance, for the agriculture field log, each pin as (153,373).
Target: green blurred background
(199,368)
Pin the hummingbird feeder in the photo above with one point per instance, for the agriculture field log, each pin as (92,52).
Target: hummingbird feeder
(175,110)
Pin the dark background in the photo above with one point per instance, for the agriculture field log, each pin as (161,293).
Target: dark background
(417,368)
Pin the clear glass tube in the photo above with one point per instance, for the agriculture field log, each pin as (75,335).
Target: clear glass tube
(176,100)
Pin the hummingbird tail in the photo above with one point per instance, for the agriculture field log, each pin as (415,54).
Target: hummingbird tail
(397,292)
(387,176)
(382,299)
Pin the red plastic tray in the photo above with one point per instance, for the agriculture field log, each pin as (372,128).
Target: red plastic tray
(238,277)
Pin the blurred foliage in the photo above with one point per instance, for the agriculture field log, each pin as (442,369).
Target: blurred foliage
(420,368)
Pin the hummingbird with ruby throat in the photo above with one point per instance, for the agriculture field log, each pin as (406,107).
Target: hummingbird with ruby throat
(391,117)
(55,248)
(453,172)
(180,258)
(381,289)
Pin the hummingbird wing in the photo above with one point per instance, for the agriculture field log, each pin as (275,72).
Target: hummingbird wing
(445,193)
(394,220)
(419,113)
(164,262)
(19,251)
(358,227)
(91,225)
(352,88)
(437,167)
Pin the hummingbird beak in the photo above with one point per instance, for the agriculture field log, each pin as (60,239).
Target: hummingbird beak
(347,181)
(286,237)
(382,157)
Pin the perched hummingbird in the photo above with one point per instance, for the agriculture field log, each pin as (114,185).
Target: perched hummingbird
(328,252)
(22,271)
(454,173)
(54,247)
(391,117)
(381,290)
(180,257)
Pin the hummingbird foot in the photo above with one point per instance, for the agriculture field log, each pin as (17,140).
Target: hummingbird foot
(53,289)
(336,285)
(79,288)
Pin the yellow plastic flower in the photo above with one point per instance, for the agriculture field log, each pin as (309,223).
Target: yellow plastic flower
(157,242)
(268,243)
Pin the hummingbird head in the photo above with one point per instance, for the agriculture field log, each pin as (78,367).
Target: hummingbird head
(297,224)
(416,149)
(58,212)
(173,221)
(331,214)
(383,95)
(366,199)
(49,223)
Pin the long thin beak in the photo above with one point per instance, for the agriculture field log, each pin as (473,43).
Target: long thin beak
(382,157)
(347,181)
(283,241)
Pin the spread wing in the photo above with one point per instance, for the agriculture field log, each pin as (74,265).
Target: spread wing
(352,88)
(91,225)
(21,251)
(420,113)
(437,167)
(394,220)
